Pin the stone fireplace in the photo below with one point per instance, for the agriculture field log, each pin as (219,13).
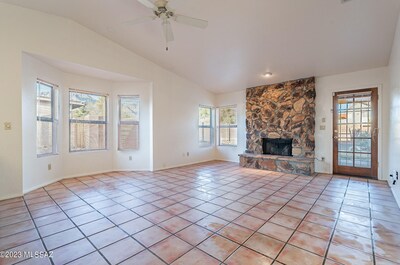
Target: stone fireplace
(280,124)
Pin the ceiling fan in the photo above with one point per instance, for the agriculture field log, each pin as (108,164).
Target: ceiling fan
(162,11)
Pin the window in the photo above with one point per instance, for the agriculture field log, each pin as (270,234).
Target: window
(205,126)
(47,119)
(228,126)
(87,121)
(128,127)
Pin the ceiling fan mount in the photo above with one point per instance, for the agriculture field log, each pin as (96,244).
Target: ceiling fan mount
(160,10)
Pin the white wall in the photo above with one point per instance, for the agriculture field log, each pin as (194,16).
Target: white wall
(35,170)
(141,158)
(393,151)
(175,121)
(62,39)
(230,153)
(324,104)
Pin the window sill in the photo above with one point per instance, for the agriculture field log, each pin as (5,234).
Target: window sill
(47,155)
(87,151)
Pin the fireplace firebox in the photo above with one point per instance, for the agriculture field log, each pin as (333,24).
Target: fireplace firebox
(280,147)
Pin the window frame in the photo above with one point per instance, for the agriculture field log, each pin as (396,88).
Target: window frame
(211,126)
(54,120)
(120,122)
(105,122)
(227,126)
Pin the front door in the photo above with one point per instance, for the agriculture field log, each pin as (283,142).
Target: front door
(355,133)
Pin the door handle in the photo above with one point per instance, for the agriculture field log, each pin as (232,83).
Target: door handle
(374,133)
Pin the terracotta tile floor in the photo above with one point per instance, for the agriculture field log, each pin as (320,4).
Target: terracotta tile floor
(210,213)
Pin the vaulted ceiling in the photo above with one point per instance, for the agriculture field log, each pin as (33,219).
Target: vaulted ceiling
(246,38)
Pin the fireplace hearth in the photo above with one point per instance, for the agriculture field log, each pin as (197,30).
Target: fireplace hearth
(279,147)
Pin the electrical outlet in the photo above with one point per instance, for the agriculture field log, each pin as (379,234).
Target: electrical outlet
(7,126)
(322,127)
(323,119)
(49,167)
(130,158)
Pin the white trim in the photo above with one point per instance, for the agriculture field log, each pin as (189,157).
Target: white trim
(87,174)
(182,165)
(132,170)
(62,178)
(227,160)
(12,196)
(41,185)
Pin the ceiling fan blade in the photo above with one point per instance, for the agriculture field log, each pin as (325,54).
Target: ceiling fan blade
(147,3)
(140,20)
(168,34)
(194,22)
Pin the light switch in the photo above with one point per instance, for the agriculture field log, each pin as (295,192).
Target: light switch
(323,119)
(7,126)
(322,127)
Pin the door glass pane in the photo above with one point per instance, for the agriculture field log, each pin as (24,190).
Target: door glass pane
(345,145)
(363,145)
(345,159)
(362,160)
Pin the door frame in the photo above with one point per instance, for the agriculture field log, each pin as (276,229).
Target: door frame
(367,173)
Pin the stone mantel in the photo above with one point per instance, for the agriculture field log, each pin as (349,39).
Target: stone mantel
(275,157)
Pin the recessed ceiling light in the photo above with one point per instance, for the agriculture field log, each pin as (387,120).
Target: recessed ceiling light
(267,74)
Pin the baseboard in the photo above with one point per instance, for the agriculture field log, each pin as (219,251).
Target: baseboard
(41,185)
(396,195)
(183,165)
(59,179)
(12,196)
(87,174)
(131,170)
(227,160)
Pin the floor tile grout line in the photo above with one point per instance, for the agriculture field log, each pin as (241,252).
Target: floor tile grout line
(336,222)
(172,234)
(371,225)
(243,244)
(207,201)
(232,202)
(98,250)
(40,236)
(213,232)
(193,223)
(84,235)
(302,220)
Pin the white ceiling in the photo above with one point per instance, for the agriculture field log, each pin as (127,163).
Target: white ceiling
(245,38)
(73,68)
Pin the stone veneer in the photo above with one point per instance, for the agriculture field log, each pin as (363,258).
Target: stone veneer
(284,110)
